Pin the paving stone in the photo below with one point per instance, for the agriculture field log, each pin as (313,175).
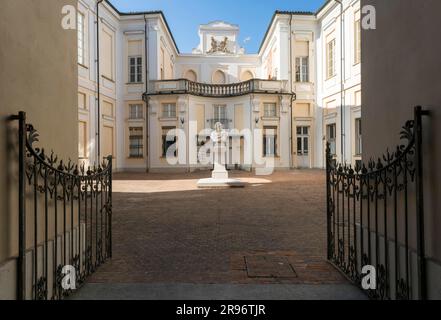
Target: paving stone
(166,230)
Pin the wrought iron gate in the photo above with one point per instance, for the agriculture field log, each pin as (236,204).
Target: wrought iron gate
(69,211)
(375,217)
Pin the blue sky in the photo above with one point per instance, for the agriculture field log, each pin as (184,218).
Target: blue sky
(185,16)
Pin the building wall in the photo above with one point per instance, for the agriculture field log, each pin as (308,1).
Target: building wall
(109,43)
(289,36)
(37,79)
(331,94)
(401,70)
(121,37)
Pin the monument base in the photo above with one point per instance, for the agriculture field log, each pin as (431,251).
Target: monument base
(220,183)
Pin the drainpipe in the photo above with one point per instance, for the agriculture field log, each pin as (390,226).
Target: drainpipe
(342,76)
(98,129)
(290,89)
(146,43)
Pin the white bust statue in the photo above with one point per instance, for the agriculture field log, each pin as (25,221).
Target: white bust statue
(219,136)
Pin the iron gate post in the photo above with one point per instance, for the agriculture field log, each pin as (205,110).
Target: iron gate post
(110,160)
(422,278)
(328,195)
(21,264)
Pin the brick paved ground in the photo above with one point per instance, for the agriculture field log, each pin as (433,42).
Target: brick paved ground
(165,230)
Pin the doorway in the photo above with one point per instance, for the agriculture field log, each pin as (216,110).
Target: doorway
(303,155)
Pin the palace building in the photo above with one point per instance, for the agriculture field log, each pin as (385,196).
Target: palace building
(279,106)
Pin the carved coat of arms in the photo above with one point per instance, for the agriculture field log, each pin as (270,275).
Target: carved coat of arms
(219,46)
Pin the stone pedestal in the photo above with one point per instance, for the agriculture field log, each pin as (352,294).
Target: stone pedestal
(219,176)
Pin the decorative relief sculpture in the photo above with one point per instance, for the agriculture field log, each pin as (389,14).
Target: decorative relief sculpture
(221,46)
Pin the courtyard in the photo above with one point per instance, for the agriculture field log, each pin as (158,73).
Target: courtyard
(172,240)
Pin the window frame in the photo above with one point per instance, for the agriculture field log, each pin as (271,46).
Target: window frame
(302,69)
(273,113)
(166,144)
(138,113)
(332,140)
(138,76)
(357,41)
(81,35)
(330,59)
(167,112)
(139,146)
(269,137)
(303,136)
(219,115)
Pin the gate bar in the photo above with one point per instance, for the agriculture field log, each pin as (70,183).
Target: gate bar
(422,283)
(21,266)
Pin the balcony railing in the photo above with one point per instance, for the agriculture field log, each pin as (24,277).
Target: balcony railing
(184,86)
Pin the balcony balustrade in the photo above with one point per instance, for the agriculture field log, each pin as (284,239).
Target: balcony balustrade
(184,86)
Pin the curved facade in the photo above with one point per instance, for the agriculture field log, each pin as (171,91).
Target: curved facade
(279,105)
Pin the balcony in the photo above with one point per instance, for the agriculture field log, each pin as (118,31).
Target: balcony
(184,86)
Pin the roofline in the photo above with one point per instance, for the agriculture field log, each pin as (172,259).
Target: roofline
(292,13)
(279,12)
(144,13)
(322,7)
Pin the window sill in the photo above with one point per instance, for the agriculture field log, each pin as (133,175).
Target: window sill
(135,158)
(134,83)
(270,118)
(168,119)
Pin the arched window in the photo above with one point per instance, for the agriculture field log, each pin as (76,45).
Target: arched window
(219,77)
(191,75)
(246,75)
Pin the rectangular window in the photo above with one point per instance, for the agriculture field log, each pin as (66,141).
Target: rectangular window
(331,137)
(135,69)
(302,140)
(220,112)
(169,110)
(270,110)
(136,142)
(270,141)
(358,145)
(302,69)
(220,115)
(330,59)
(136,111)
(357,42)
(81,42)
(168,140)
